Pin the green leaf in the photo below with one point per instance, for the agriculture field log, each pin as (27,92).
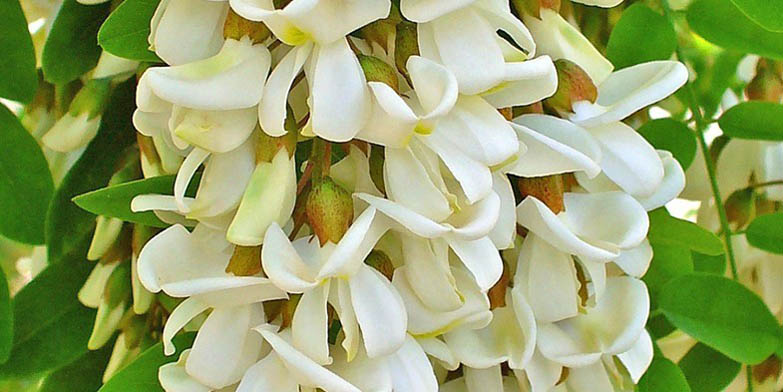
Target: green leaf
(666,229)
(114,201)
(71,48)
(639,36)
(663,375)
(6,319)
(766,232)
(141,375)
(81,375)
(125,32)
(51,327)
(753,120)
(767,13)
(659,326)
(722,314)
(708,370)
(25,182)
(707,263)
(723,24)
(66,223)
(669,262)
(20,77)
(673,136)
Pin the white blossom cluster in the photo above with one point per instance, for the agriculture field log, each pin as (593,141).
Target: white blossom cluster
(433,272)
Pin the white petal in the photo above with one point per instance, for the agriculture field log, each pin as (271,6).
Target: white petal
(435,86)
(349,254)
(581,340)
(429,274)
(591,378)
(416,223)
(173,378)
(379,312)
(610,217)
(176,255)
(340,97)
(557,38)
(638,358)
(223,182)
(466,45)
(272,109)
(215,131)
(600,3)
(189,31)
(481,258)
(92,291)
(539,219)
(628,159)
(547,277)
(329,21)
(498,14)
(182,314)
(736,166)
(490,379)
(475,221)
(365,373)
(423,321)
(541,373)
(283,265)
(626,91)
(340,300)
(305,371)
(474,176)
(408,183)
(555,146)
(309,328)
(673,183)
(524,83)
(439,350)
(268,375)
(225,335)
(392,121)
(504,232)
(635,261)
(421,11)
(269,198)
(232,79)
(410,369)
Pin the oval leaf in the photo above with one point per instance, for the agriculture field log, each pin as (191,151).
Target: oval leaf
(723,24)
(767,13)
(673,136)
(753,120)
(722,314)
(125,32)
(20,77)
(666,229)
(663,375)
(639,36)
(766,232)
(25,182)
(66,223)
(708,370)
(141,375)
(71,48)
(114,201)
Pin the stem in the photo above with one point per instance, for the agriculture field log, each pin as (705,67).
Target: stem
(701,126)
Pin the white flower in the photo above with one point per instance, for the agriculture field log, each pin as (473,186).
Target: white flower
(339,99)
(336,274)
(741,159)
(463,36)
(184,31)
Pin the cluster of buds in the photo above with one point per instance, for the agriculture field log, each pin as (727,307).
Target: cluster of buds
(419,196)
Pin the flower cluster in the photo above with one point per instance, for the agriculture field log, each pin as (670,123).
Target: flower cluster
(419,196)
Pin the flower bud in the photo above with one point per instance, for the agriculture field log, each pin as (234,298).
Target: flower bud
(767,85)
(80,124)
(740,207)
(237,27)
(113,306)
(381,262)
(376,70)
(246,261)
(573,85)
(329,210)
(406,45)
(548,189)
(142,299)
(533,7)
(381,31)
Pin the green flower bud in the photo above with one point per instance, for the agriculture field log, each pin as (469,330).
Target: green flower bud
(376,70)
(329,210)
(381,31)
(92,98)
(406,45)
(740,207)
(118,286)
(573,85)
(381,262)
(767,85)
(246,261)
(268,146)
